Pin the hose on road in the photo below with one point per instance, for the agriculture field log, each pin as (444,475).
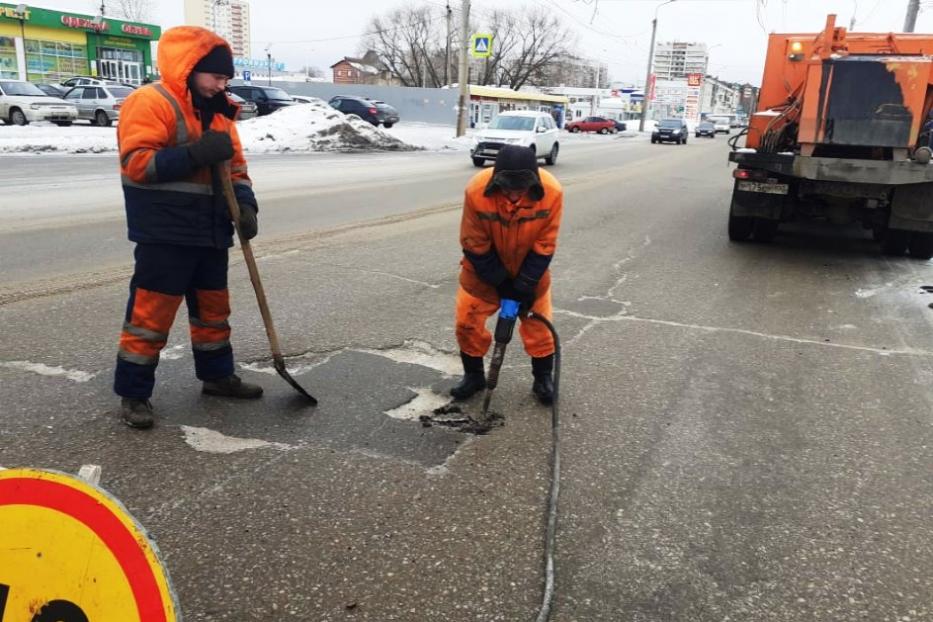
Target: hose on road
(544,614)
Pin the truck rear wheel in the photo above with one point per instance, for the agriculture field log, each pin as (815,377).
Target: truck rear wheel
(740,228)
(895,242)
(764,230)
(920,245)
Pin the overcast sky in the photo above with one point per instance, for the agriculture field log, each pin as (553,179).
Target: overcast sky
(320,32)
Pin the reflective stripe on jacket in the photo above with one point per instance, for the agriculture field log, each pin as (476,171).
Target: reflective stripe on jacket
(168,199)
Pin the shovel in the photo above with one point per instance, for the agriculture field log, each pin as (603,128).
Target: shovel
(278,361)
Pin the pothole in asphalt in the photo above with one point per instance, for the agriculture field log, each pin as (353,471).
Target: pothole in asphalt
(453,416)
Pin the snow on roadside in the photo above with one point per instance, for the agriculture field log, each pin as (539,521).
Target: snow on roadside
(431,137)
(314,127)
(48,138)
(305,128)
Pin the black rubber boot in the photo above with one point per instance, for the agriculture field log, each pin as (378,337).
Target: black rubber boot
(474,378)
(543,387)
(136,413)
(232,386)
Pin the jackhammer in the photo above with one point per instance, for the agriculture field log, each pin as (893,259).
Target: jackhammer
(505,325)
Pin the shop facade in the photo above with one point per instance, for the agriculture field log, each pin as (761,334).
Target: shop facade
(40,45)
(488,101)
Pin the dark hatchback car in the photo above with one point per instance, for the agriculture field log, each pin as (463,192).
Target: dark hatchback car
(706,128)
(670,130)
(371,110)
(268,99)
(621,126)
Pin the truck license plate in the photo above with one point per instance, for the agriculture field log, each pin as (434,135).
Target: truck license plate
(760,186)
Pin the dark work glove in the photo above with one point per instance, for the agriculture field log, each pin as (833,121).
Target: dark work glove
(249,224)
(506,290)
(211,148)
(524,293)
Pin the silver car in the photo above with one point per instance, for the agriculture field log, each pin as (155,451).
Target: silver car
(98,104)
(248,109)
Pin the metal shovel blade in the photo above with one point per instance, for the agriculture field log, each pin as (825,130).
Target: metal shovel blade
(279,364)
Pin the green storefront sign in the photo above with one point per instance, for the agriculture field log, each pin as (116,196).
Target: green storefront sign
(55,19)
(113,48)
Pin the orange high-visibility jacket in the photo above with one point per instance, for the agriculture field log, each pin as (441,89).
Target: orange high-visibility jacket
(514,233)
(168,199)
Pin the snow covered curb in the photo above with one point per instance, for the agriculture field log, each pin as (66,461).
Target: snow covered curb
(305,128)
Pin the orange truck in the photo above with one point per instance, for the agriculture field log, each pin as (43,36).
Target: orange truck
(841,134)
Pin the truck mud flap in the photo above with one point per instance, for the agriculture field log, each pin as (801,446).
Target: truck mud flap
(912,208)
(762,204)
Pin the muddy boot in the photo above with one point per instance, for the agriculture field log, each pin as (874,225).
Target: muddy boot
(543,387)
(474,378)
(232,386)
(136,413)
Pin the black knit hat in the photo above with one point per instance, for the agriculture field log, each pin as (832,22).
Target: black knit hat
(219,60)
(516,169)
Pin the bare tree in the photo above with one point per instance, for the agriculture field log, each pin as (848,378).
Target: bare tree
(130,10)
(410,42)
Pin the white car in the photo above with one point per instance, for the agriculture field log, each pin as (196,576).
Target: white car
(302,99)
(520,127)
(23,102)
(722,124)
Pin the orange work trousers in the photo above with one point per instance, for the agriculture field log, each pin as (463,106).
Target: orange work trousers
(474,338)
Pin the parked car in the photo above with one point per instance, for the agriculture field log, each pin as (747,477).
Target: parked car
(520,127)
(706,128)
(248,110)
(90,81)
(593,124)
(371,110)
(670,130)
(53,90)
(722,124)
(22,102)
(621,126)
(99,104)
(268,99)
(301,99)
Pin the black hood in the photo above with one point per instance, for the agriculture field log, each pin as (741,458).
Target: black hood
(516,169)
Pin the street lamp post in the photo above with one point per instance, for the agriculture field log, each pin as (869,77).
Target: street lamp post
(645,102)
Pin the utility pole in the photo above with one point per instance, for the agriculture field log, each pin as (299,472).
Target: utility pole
(464,101)
(447,49)
(913,7)
(645,102)
(269,60)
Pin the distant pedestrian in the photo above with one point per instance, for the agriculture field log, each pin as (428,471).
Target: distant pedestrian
(170,136)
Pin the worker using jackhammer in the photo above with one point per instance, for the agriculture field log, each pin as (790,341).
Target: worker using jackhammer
(511,218)
(171,134)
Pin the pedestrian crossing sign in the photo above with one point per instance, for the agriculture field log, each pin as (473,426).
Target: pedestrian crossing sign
(481,46)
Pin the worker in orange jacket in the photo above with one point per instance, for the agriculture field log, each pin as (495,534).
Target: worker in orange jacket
(511,217)
(171,135)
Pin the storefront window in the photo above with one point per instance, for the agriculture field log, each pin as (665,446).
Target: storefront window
(8,67)
(52,61)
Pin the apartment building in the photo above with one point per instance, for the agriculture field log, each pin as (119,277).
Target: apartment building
(228,18)
(675,60)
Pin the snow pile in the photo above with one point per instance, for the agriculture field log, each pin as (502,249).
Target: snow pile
(48,138)
(314,127)
(432,137)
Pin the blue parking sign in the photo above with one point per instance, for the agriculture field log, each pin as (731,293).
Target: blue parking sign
(247,76)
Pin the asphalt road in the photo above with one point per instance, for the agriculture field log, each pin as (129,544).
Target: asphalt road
(747,428)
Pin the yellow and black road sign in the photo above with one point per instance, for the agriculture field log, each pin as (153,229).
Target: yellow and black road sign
(70,552)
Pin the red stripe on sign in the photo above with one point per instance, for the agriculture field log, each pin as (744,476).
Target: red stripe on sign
(98,518)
